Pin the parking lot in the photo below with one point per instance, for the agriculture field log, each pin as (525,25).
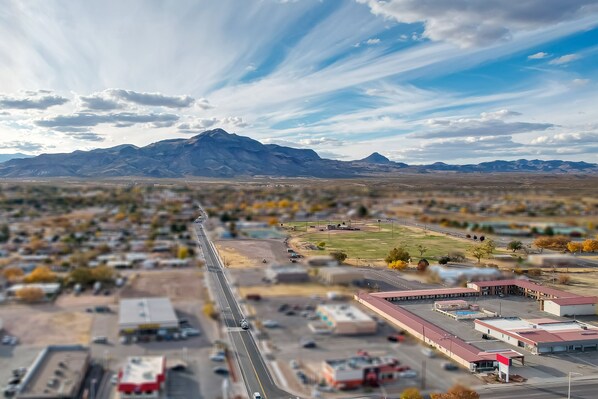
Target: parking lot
(536,367)
(284,342)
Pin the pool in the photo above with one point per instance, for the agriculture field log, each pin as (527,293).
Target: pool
(465,312)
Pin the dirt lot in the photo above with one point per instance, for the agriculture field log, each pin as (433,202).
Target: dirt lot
(43,325)
(178,285)
(239,254)
(295,290)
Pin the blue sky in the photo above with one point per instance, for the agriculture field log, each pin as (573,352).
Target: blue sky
(418,81)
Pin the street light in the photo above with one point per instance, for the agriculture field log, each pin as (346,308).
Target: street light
(569,388)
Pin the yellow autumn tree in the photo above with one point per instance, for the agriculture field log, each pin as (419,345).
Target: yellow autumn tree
(41,274)
(398,265)
(30,294)
(590,245)
(574,246)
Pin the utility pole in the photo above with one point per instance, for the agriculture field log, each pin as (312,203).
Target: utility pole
(423,374)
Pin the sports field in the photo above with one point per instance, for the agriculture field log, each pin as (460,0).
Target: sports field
(373,241)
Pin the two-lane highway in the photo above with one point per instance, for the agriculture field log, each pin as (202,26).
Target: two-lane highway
(255,372)
(582,389)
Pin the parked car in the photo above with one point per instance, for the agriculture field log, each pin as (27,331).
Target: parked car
(100,340)
(9,340)
(253,297)
(270,323)
(190,332)
(408,374)
(114,379)
(396,338)
(220,370)
(308,343)
(284,307)
(294,364)
(19,372)
(102,309)
(217,357)
(449,366)
(10,391)
(428,352)
(290,312)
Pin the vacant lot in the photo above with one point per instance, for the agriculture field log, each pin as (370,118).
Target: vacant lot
(42,325)
(179,285)
(294,290)
(373,242)
(239,254)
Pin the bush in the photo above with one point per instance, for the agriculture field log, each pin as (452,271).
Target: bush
(30,294)
(534,272)
(339,256)
(397,265)
(444,260)
(397,253)
(564,279)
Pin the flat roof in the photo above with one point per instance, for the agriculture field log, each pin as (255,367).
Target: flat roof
(543,330)
(360,362)
(57,372)
(342,312)
(146,311)
(142,369)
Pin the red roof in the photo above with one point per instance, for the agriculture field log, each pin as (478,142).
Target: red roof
(580,300)
(411,293)
(431,331)
(527,285)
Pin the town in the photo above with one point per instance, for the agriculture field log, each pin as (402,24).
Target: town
(279,290)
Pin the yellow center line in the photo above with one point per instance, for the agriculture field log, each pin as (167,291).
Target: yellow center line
(263,392)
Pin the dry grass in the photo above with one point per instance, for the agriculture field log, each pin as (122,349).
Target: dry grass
(233,258)
(47,325)
(279,290)
(178,285)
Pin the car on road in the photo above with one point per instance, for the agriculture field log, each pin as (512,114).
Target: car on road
(244,324)
(220,370)
(256,395)
(100,340)
(270,323)
(114,379)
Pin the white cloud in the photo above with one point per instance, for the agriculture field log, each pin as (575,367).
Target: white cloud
(565,59)
(479,23)
(372,41)
(538,56)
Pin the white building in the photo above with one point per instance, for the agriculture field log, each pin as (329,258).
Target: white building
(346,319)
(576,306)
(142,376)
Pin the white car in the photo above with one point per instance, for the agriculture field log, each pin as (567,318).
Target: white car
(408,374)
(244,324)
(294,364)
(257,395)
(217,357)
(270,323)
(190,331)
(114,379)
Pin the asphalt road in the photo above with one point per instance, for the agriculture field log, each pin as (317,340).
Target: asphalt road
(585,389)
(255,372)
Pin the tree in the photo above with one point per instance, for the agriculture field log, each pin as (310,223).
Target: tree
(183,252)
(556,243)
(81,275)
(397,265)
(12,273)
(4,233)
(460,392)
(422,265)
(422,249)
(478,252)
(548,231)
(515,245)
(339,256)
(489,246)
(41,274)
(30,294)
(574,246)
(564,279)
(411,393)
(362,211)
(590,245)
(104,274)
(210,310)
(397,253)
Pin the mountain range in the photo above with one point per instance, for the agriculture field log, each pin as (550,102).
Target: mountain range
(216,153)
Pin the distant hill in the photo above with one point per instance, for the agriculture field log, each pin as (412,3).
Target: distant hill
(216,153)
(8,157)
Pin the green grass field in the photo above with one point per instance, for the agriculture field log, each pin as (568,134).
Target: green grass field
(371,243)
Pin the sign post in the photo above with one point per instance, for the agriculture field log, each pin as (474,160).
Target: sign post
(503,366)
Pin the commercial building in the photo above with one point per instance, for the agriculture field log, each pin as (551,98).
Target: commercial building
(358,371)
(553,260)
(147,316)
(563,302)
(339,275)
(58,372)
(142,376)
(49,289)
(287,274)
(464,353)
(541,336)
(346,319)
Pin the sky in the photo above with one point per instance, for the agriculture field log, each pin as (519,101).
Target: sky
(419,81)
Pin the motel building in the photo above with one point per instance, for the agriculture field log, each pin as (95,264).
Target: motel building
(360,371)
(542,336)
(142,376)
